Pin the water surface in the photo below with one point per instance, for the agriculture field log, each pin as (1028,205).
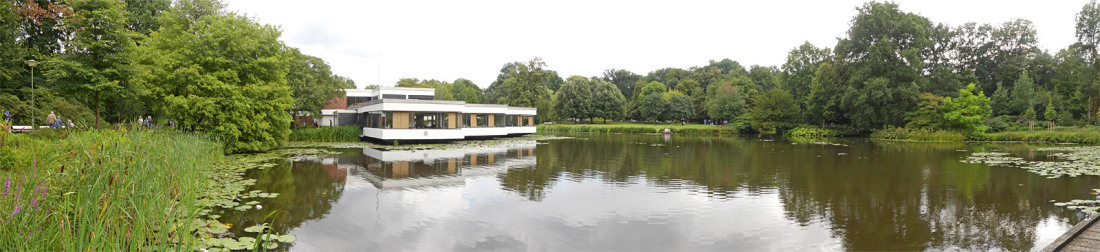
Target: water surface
(648,192)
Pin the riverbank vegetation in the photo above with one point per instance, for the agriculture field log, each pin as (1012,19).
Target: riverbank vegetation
(110,190)
(326,134)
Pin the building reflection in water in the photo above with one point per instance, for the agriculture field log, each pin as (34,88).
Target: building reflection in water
(408,169)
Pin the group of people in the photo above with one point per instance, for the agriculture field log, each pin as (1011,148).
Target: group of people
(54,121)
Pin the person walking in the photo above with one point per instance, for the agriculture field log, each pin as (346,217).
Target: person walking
(51,120)
(149,121)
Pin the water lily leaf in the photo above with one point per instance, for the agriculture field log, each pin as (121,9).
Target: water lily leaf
(287,238)
(268,237)
(255,229)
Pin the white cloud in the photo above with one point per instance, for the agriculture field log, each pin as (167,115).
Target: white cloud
(447,40)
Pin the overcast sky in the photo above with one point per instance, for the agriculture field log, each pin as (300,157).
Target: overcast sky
(383,41)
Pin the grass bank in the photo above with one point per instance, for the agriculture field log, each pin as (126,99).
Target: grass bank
(103,190)
(1088,135)
(326,134)
(637,128)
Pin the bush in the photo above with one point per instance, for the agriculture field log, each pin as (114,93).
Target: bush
(995,124)
(812,132)
(923,134)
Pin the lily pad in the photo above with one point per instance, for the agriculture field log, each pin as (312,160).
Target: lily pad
(255,229)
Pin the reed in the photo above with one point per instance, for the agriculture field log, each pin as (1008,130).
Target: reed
(326,134)
(110,190)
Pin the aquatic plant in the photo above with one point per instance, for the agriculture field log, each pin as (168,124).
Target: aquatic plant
(1075,161)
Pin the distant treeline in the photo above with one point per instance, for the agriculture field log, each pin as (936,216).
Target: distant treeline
(889,66)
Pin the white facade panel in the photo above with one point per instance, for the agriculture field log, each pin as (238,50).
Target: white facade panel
(413,134)
(521,111)
(484,109)
(521,130)
(486,131)
(361,92)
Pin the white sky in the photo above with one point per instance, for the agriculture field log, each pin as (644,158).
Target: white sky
(446,40)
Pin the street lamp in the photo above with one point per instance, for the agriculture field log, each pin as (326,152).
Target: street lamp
(32,63)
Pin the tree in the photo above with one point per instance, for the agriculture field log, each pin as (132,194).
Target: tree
(607,101)
(652,106)
(1051,114)
(219,72)
(624,80)
(775,110)
(523,84)
(312,84)
(967,112)
(765,77)
(882,58)
(929,114)
(465,90)
(575,99)
(1088,39)
(725,102)
(800,68)
(823,101)
(679,105)
(1023,95)
(652,88)
(95,64)
(142,14)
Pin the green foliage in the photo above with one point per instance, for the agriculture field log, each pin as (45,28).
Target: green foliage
(882,57)
(1023,96)
(607,101)
(823,102)
(523,84)
(575,99)
(106,191)
(775,110)
(801,67)
(95,64)
(653,107)
(624,80)
(326,134)
(652,88)
(1051,114)
(812,132)
(679,106)
(725,102)
(312,84)
(967,112)
(923,134)
(221,73)
(929,113)
(466,90)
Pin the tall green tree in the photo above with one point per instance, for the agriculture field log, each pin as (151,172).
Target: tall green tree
(653,106)
(1022,96)
(575,99)
(466,90)
(725,102)
(823,101)
(882,58)
(142,15)
(523,84)
(800,67)
(1088,40)
(624,80)
(96,61)
(607,100)
(219,72)
(312,83)
(968,111)
(679,106)
(775,110)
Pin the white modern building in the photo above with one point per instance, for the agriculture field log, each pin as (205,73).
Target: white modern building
(389,114)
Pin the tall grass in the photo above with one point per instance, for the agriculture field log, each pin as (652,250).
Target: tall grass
(104,190)
(1067,135)
(633,128)
(327,134)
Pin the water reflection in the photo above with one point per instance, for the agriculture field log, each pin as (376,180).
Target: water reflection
(630,192)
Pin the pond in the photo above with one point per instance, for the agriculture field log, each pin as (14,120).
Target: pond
(651,192)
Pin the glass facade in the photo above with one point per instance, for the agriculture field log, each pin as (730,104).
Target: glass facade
(513,120)
(482,120)
(499,120)
(427,120)
(378,120)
